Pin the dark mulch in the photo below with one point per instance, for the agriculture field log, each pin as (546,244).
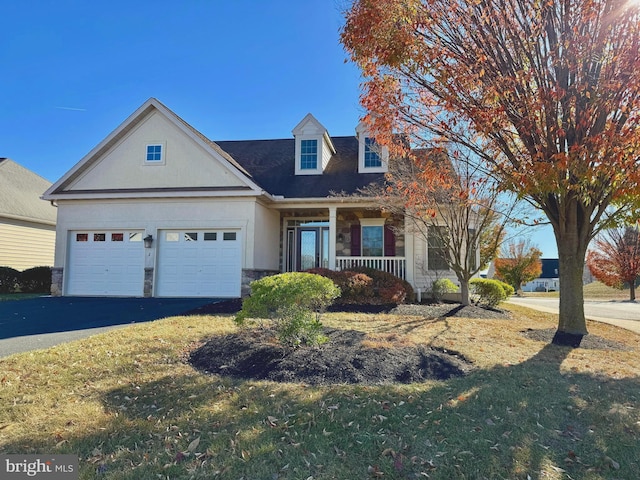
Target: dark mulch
(592,342)
(429,311)
(343,359)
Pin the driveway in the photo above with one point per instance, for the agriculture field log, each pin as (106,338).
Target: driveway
(623,314)
(47,321)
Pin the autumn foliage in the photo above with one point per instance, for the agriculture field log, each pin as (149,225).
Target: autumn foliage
(616,259)
(519,263)
(545,93)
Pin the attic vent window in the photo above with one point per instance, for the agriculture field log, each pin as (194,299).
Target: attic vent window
(308,154)
(371,156)
(155,153)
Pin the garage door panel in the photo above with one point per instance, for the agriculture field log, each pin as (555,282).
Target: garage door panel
(199,263)
(105,264)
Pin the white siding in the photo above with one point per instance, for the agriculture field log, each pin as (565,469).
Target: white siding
(25,245)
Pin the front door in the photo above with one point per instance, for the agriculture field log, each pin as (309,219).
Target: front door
(308,247)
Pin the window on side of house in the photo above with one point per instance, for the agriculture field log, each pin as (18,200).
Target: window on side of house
(155,153)
(308,154)
(372,241)
(436,249)
(371,156)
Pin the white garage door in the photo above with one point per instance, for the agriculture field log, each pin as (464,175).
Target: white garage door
(106,263)
(199,263)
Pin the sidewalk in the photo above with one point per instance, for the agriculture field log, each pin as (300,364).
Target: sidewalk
(550,306)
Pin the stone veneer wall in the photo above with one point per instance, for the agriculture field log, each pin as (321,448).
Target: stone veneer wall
(148,282)
(57,275)
(249,275)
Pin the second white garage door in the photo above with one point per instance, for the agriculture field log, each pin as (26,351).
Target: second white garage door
(199,263)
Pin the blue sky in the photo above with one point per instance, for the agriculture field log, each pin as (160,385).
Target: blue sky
(72,71)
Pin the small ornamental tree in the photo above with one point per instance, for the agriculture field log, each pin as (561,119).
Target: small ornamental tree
(294,302)
(616,259)
(519,263)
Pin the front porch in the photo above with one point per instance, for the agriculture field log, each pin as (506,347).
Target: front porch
(344,238)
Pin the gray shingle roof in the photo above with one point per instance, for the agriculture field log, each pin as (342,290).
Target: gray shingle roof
(20,191)
(271,164)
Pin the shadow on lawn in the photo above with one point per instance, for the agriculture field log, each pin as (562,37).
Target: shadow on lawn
(511,421)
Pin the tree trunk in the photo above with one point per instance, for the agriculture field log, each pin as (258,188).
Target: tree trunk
(464,292)
(571,256)
(632,291)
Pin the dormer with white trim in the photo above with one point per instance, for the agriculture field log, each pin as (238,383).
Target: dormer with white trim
(314,147)
(372,158)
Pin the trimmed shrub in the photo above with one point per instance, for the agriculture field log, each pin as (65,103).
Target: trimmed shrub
(294,302)
(354,287)
(387,287)
(442,286)
(489,292)
(9,280)
(508,289)
(36,280)
(368,286)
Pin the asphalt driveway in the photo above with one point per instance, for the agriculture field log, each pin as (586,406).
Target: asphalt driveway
(46,321)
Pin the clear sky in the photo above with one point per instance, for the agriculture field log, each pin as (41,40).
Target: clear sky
(72,71)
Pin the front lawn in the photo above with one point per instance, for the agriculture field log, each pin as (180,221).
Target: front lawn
(130,405)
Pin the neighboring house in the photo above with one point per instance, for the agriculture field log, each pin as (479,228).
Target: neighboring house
(549,279)
(27,223)
(157,209)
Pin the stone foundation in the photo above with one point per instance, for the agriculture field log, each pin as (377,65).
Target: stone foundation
(249,276)
(148,282)
(57,276)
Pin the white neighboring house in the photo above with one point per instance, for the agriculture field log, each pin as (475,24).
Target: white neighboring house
(157,209)
(549,279)
(27,223)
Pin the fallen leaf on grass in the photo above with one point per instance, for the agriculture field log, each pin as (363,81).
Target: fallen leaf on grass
(193,445)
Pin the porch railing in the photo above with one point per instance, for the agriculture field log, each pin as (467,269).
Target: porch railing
(395,265)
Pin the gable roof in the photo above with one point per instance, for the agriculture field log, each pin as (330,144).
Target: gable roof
(271,164)
(549,268)
(20,191)
(146,109)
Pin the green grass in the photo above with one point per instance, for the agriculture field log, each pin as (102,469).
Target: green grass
(5,297)
(131,408)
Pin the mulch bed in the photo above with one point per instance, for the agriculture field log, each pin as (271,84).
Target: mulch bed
(254,354)
(343,359)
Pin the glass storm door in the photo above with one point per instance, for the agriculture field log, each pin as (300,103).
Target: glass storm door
(312,248)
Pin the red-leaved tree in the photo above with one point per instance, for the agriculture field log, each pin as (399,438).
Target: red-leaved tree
(545,93)
(616,260)
(518,263)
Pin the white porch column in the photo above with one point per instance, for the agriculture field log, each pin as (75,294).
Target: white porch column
(332,238)
(409,253)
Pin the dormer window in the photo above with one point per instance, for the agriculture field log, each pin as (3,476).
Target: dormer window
(313,145)
(308,154)
(371,157)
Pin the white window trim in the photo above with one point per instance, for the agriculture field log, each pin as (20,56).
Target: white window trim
(309,171)
(372,222)
(163,153)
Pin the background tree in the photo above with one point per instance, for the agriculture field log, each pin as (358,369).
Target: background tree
(617,258)
(546,93)
(448,201)
(519,262)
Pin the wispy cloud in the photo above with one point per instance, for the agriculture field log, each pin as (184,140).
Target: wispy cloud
(72,109)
